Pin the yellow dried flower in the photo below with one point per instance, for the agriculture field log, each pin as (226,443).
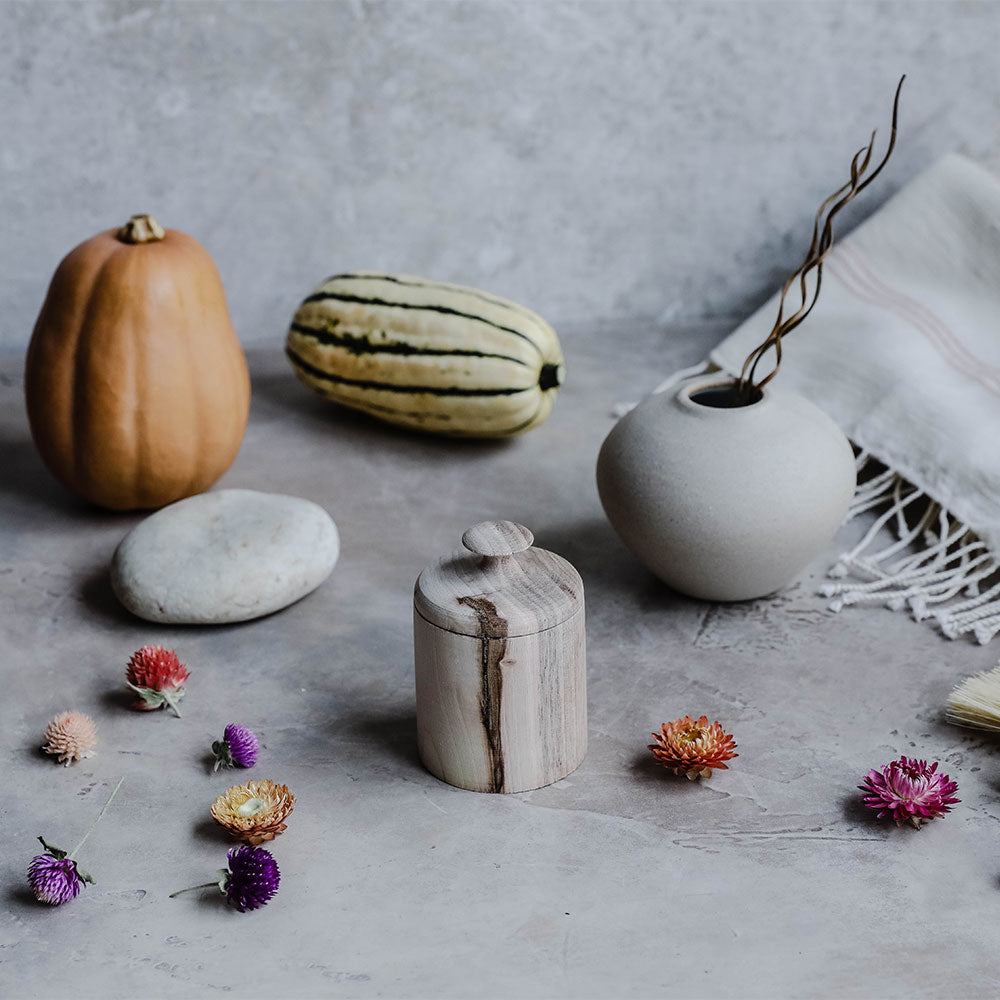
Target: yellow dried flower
(254,812)
(72,736)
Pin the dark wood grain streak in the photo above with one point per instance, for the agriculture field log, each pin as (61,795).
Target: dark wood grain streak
(493,643)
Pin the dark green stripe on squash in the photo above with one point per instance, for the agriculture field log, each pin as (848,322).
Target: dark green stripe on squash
(437,286)
(360,344)
(431,390)
(443,310)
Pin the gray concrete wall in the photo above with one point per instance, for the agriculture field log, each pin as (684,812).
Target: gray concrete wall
(591,159)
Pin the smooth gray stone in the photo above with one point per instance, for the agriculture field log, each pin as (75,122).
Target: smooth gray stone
(224,557)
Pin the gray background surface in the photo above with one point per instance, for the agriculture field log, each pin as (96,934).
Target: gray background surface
(593,160)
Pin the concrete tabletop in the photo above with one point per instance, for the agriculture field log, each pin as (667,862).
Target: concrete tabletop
(769,880)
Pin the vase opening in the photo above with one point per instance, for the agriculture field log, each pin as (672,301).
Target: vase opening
(726,396)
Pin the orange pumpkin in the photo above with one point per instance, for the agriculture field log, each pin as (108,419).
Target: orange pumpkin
(136,385)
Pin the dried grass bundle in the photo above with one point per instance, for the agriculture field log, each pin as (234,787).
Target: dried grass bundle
(976,701)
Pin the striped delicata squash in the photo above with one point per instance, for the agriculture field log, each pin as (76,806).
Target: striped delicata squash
(427,355)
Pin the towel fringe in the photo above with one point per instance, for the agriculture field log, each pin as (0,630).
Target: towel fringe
(931,560)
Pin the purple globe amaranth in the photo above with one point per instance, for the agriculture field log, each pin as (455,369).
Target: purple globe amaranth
(54,880)
(237,748)
(55,877)
(253,877)
(243,745)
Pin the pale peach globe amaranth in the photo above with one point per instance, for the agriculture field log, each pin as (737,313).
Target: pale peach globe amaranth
(70,736)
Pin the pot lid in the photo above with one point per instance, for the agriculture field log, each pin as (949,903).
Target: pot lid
(499,585)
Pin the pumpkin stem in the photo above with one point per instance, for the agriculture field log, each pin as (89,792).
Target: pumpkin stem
(141,229)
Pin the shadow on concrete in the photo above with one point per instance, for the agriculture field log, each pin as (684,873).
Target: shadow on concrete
(207,897)
(26,481)
(208,829)
(23,896)
(862,820)
(856,812)
(646,770)
(120,699)
(606,565)
(277,394)
(36,752)
(591,545)
(392,735)
(99,598)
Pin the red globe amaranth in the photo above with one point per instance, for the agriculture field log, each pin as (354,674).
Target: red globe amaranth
(158,677)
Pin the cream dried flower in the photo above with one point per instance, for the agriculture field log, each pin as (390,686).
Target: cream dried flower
(71,736)
(254,812)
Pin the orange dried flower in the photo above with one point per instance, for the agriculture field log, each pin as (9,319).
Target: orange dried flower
(693,748)
(71,736)
(254,812)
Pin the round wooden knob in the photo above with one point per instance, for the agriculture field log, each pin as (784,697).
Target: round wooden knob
(497,538)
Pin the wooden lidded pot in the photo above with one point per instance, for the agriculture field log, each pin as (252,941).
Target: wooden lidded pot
(501,667)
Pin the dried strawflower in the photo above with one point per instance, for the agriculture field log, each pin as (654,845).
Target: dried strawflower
(250,881)
(71,736)
(158,677)
(693,748)
(254,812)
(237,748)
(909,791)
(54,876)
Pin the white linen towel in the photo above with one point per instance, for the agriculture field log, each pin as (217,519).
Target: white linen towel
(903,351)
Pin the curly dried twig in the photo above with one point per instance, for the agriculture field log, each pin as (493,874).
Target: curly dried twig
(748,388)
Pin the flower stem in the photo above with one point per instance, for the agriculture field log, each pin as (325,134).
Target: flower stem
(172,702)
(207,885)
(72,854)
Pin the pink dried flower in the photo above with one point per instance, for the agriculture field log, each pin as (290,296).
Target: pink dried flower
(693,748)
(158,677)
(909,791)
(71,736)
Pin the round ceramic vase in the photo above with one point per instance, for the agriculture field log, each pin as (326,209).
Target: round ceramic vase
(725,503)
